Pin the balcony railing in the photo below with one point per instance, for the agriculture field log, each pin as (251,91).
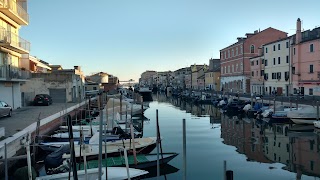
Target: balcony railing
(14,40)
(15,8)
(8,72)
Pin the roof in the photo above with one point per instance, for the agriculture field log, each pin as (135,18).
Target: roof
(282,39)
(201,77)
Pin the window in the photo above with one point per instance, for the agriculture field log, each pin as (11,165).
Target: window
(262,61)
(257,73)
(286,75)
(237,67)
(278,60)
(311,165)
(241,49)
(252,49)
(294,51)
(232,68)
(279,75)
(311,68)
(228,53)
(266,76)
(257,62)
(274,61)
(293,70)
(287,59)
(311,91)
(278,46)
(274,47)
(237,51)
(266,50)
(273,76)
(94,88)
(265,62)
(229,69)
(252,73)
(311,47)
(232,53)
(252,63)
(287,44)
(262,73)
(225,55)
(241,67)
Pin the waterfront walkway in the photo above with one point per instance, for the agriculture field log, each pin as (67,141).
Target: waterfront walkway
(23,117)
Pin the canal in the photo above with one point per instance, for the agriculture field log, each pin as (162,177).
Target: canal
(252,149)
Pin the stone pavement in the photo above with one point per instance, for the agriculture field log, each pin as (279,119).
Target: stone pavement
(23,117)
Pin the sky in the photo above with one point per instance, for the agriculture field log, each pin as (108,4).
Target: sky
(127,37)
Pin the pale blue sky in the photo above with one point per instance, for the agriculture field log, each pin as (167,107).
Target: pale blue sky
(127,37)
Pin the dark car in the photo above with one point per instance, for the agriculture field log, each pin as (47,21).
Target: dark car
(42,99)
(5,109)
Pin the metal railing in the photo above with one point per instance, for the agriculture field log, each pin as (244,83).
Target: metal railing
(16,8)
(13,39)
(10,72)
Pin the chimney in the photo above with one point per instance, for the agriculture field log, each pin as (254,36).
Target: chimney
(298,31)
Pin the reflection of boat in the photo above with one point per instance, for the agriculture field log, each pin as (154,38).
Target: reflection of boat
(143,161)
(115,173)
(305,115)
(164,170)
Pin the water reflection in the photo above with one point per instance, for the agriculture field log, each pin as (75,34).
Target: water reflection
(296,147)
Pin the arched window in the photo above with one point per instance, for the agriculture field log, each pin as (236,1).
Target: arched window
(237,68)
(232,53)
(228,53)
(232,70)
(237,51)
(252,49)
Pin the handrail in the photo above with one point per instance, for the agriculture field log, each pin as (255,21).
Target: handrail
(14,39)
(16,8)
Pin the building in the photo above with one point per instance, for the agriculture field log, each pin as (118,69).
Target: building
(212,75)
(276,67)
(235,59)
(147,78)
(187,80)
(201,82)
(34,65)
(178,80)
(196,72)
(305,61)
(65,85)
(257,74)
(13,15)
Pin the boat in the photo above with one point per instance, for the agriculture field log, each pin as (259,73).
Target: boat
(146,93)
(305,115)
(316,124)
(142,145)
(114,173)
(143,161)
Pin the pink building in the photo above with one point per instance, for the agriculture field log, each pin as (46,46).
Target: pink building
(235,59)
(257,74)
(305,53)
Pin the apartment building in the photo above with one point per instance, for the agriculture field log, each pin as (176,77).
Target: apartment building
(13,15)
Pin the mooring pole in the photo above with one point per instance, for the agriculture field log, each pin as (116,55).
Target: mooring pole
(157,143)
(100,137)
(274,104)
(317,110)
(6,162)
(120,105)
(224,170)
(184,149)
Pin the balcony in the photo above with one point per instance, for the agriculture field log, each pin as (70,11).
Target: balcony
(10,73)
(14,42)
(15,11)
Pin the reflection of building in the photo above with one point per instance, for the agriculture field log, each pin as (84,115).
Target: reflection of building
(305,157)
(246,137)
(276,146)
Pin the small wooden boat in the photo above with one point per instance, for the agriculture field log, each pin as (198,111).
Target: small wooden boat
(142,145)
(114,173)
(143,161)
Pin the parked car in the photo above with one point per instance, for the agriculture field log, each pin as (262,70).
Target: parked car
(5,109)
(42,99)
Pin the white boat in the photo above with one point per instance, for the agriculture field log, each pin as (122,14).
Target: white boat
(143,145)
(282,109)
(305,115)
(114,173)
(316,124)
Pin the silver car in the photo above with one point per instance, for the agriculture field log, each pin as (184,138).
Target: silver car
(5,109)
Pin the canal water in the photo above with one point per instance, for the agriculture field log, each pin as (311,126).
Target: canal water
(252,149)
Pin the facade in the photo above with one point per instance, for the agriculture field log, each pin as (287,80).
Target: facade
(178,80)
(277,61)
(187,80)
(212,79)
(147,78)
(63,86)
(201,82)
(196,72)
(305,61)
(34,65)
(235,59)
(13,14)
(257,75)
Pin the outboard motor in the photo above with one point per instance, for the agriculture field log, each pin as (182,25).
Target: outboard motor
(54,159)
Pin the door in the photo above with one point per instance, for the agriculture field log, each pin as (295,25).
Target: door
(58,95)
(279,90)
(302,90)
(287,90)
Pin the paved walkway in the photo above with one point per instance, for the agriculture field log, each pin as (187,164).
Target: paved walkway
(23,117)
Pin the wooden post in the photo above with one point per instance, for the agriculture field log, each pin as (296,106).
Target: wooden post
(133,144)
(100,138)
(35,141)
(29,156)
(120,105)
(274,104)
(73,156)
(157,144)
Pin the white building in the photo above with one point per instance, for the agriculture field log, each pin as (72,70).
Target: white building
(276,67)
